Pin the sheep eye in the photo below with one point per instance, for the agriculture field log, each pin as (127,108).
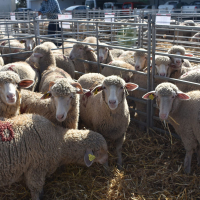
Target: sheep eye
(173,97)
(71,97)
(122,87)
(81,48)
(103,87)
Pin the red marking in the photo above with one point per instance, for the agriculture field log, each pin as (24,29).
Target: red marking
(110,63)
(4,126)
(11,67)
(88,94)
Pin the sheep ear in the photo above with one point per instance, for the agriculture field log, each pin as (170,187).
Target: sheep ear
(149,95)
(97,89)
(46,95)
(188,54)
(131,86)
(79,89)
(22,41)
(89,48)
(183,96)
(89,157)
(37,55)
(51,84)
(26,83)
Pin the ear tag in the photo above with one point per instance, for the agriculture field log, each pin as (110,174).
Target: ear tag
(151,96)
(96,91)
(91,157)
(21,42)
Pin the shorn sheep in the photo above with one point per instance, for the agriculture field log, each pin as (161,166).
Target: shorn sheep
(10,98)
(87,53)
(63,106)
(37,148)
(183,115)
(106,107)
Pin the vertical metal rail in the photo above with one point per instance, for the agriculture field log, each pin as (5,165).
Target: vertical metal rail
(8,40)
(153,64)
(148,72)
(97,36)
(62,37)
(139,35)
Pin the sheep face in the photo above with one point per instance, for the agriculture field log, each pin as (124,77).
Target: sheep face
(177,61)
(162,69)
(35,58)
(165,94)
(8,93)
(63,105)
(29,43)
(103,54)
(114,90)
(140,62)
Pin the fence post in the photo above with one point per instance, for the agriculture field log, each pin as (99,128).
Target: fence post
(97,36)
(153,63)
(36,31)
(148,72)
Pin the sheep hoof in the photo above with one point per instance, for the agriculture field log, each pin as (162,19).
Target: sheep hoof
(187,170)
(119,167)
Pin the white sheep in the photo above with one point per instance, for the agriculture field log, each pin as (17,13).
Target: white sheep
(140,59)
(63,106)
(183,115)
(10,90)
(25,71)
(37,148)
(106,107)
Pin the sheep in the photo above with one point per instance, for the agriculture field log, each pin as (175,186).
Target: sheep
(69,46)
(196,38)
(105,55)
(92,40)
(178,62)
(51,74)
(87,53)
(126,75)
(116,52)
(10,89)
(42,57)
(15,47)
(62,109)
(183,115)
(25,71)
(29,43)
(140,59)
(107,109)
(37,148)
(162,64)
(191,76)
(65,63)
(128,57)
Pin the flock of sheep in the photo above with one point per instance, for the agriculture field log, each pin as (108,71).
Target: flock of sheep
(40,105)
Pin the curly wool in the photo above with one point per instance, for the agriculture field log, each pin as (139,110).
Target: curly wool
(114,80)
(166,89)
(139,53)
(175,49)
(62,87)
(162,60)
(9,77)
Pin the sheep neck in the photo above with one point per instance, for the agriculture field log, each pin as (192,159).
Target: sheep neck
(90,56)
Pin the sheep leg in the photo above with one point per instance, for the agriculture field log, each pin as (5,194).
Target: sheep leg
(119,143)
(35,180)
(187,161)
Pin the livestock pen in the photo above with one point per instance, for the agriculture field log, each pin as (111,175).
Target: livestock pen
(152,158)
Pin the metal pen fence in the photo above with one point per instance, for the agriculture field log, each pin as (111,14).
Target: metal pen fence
(128,34)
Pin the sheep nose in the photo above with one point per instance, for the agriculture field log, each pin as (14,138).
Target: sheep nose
(163,116)
(112,101)
(11,96)
(162,74)
(60,117)
(137,67)
(71,57)
(178,61)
